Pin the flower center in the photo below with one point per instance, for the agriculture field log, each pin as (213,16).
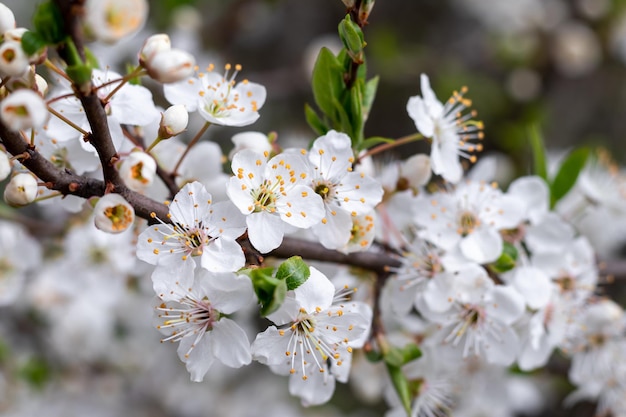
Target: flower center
(325,190)
(265,197)
(467,222)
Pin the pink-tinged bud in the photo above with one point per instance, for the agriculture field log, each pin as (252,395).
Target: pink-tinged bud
(5,165)
(21,190)
(23,109)
(138,170)
(152,46)
(7,18)
(111,20)
(171,66)
(173,121)
(113,214)
(13,60)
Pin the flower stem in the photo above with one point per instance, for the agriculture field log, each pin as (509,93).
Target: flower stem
(398,142)
(126,78)
(191,144)
(68,121)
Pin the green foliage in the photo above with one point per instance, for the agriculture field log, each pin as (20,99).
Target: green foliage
(507,259)
(351,36)
(401,356)
(294,272)
(568,173)
(401,385)
(33,42)
(36,372)
(271,288)
(48,23)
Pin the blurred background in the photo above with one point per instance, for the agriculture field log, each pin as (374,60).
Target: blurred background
(554,64)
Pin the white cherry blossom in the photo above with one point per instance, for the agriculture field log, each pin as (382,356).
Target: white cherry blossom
(200,229)
(450,130)
(273,195)
(195,317)
(345,193)
(314,339)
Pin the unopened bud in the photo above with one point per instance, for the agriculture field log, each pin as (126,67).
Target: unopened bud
(153,45)
(13,60)
(23,109)
(138,170)
(416,171)
(250,140)
(352,37)
(7,18)
(365,9)
(5,165)
(171,66)
(349,3)
(113,214)
(21,190)
(173,121)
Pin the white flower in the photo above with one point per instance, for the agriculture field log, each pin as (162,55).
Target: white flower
(13,59)
(468,305)
(21,190)
(138,170)
(113,214)
(345,194)
(469,219)
(195,317)
(272,194)
(218,99)
(362,233)
(112,20)
(314,340)
(23,109)
(198,228)
(449,130)
(174,121)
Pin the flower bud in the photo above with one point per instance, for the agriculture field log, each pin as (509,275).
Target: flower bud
(5,164)
(23,109)
(113,214)
(21,190)
(138,170)
(13,60)
(173,121)
(7,18)
(111,20)
(153,45)
(250,140)
(171,66)
(416,171)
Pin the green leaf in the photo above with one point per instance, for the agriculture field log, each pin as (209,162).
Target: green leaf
(401,385)
(352,37)
(32,42)
(343,124)
(36,372)
(48,23)
(399,356)
(369,93)
(314,121)
(270,290)
(568,174)
(507,259)
(375,140)
(294,272)
(327,83)
(540,165)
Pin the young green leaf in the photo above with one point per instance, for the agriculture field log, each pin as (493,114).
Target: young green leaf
(369,93)
(294,272)
(568,174)
(270,290)
(327,83)
(314,121)
(507,259)
(401,385)
(540,165)
(32,42)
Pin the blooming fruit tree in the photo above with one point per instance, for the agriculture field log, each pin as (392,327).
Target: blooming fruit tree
(445,282)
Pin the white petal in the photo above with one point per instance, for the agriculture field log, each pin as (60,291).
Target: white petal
(302,207)
(183,92)
(335,233)
(534,285)
(417,111)
(332,155)
(200,358)
(226,221)
(223,255)
(230,343)
(265,231)
(316,292)
(507,304)
(269,347)
(227,292)
(317,389)
(482,246)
